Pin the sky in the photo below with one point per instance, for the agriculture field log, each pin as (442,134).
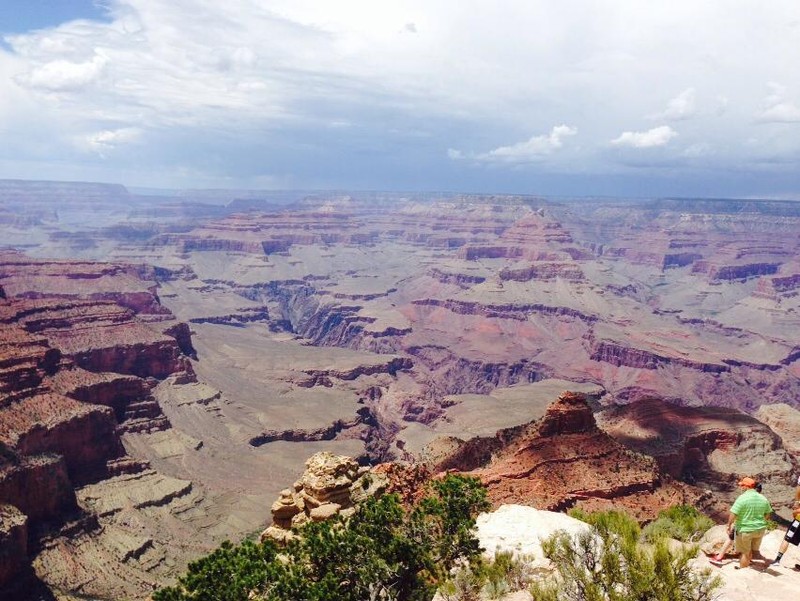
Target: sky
(568,98)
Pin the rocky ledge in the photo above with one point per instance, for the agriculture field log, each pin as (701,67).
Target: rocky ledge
(333,485)
(80,346)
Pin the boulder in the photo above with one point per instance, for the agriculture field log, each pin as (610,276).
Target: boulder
(332,484)
(521,529)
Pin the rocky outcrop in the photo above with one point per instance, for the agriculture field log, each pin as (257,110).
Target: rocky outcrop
(729,273)
(520,530)
(564,460)
(473,253)
(462,280)
(80,344)
(243,316)
(543,271)
(319,434)
(784,420)
(518,311)
(13,544)
(618,354)
(51,423)
(334,485)
(673,260)
(390,366)
(778,286)
(331,485)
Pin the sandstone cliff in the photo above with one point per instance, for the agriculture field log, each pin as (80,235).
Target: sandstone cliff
(564,460)
(79,345)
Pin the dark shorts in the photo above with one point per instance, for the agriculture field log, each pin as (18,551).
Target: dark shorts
(793,533)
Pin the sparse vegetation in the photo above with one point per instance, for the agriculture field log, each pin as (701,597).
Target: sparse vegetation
(387,552)
(382,552)
(488,579)
(609,562)
(682,522)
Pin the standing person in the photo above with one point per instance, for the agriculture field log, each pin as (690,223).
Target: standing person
(719,557)
(793,532)
(749,516)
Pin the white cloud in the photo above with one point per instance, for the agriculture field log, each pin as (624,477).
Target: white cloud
(776,108)
(658,136)
(101,142)
(679,108)
(62,75)
(279,77)
(533,149)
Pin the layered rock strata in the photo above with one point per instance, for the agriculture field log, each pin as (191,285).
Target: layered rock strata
(564,460)
(80,347)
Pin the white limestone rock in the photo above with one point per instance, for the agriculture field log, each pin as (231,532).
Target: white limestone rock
(521,529)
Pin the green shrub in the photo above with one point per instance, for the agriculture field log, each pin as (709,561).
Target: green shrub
(609,563)
(682,522)
(381,552)
(464,585)
(227,574)
(505,573)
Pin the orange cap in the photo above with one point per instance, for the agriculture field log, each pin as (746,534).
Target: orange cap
(747,483)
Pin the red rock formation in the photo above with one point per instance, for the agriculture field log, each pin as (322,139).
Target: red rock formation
(76,339)
(728,273)
(618,354)
(51,423)
(564,459)
(778,286)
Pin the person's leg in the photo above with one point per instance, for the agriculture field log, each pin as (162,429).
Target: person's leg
(781,551)
(726,547)
(792,536)
(745,545)
(755,545)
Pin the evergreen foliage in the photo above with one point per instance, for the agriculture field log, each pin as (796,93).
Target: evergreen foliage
(382,552)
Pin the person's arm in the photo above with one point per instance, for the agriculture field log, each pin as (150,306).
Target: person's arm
(731,521)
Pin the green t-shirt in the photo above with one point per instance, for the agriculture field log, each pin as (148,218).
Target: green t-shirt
(751,508)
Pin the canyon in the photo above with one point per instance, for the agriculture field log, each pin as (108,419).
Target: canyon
(168,363)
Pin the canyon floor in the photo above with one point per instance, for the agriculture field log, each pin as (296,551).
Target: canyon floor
(168,365)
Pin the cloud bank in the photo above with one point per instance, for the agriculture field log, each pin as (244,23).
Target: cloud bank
(362,94)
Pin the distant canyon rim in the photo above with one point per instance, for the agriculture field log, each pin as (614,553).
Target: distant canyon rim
(168,363)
